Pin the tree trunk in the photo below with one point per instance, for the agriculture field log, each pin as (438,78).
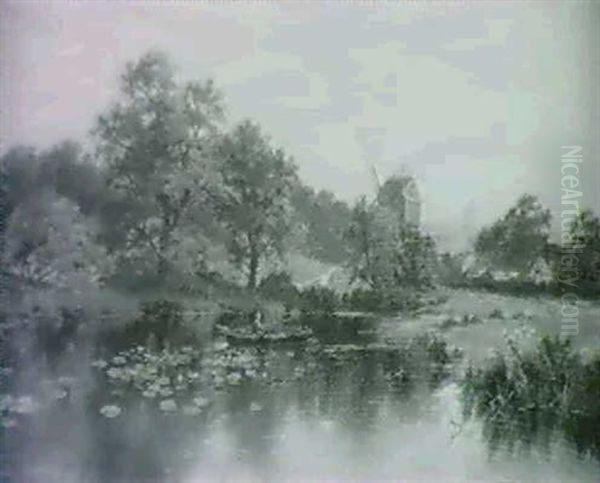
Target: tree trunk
(253,269)
(253,238)
(163,243)
(162,266)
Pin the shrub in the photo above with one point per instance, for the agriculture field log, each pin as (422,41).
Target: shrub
(279,286)
(425,358)
(464,321)
(371,300)
(159,319)
(525,398)
(319,300)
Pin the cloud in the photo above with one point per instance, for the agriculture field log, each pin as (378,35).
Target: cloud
(478,99)
(498,31)
(72,51)
(421,97)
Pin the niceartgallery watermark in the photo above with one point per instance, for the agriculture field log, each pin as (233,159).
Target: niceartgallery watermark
(571,160)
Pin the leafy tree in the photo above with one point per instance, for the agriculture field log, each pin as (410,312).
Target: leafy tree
(52,273)
(586,234)
(361,239)
(577,261)
(324,220)
(279,286)
(20,168)
(156,144)
(518,239)
(32,179)
(387,252)
(50,244)
(450,268)
(254,205)
(414,258)
(74,176)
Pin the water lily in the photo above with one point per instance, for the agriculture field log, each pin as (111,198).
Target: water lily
(234,378)
(168,405)
(99,364)
(119,360)
(9,422)
(110,411)
(166,391)
(66,381)
(200,401)
(114,373)
(219,346)
(149,393)
(6,402)
(163,381)
(24,405)
(59,394)
(190,410)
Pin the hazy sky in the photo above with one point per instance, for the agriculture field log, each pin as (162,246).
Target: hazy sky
(475,98)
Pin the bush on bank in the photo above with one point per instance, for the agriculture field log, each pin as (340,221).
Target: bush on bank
(526,398)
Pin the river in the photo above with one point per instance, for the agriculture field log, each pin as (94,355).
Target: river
(350,406)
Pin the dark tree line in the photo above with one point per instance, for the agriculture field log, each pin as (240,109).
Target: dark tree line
(165,183)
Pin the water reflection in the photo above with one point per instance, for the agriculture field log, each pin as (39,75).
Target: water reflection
(346,406)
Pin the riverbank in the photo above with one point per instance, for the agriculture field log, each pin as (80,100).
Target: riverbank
(493,315)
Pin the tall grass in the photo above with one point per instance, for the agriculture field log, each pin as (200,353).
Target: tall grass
(528,398)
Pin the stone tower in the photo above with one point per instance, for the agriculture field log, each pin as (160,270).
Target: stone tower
(400,194)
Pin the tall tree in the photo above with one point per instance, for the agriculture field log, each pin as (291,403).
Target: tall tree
(156,143)
(361,237)
(254,204)
(518,239)
(323,219)
(386,251)
(577,260)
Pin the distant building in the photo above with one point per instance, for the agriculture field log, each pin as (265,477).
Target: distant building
(412,203)
(401,195)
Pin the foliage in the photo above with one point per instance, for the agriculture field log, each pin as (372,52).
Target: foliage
(387,252)
(49,244)
(425,358)
(156,145)
(323,219)
(518,239)
(62,170)
(161,320)
(362,243)
(576,263)
(414,258)
(464,321)
(279,286)
(525,398)
(450,269)
(317,299)
(53,272)
(382,300)
(254,204)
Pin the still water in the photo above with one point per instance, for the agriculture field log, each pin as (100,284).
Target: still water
(347,406)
